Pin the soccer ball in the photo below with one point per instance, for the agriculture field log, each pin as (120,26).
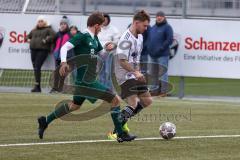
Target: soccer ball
(167,130)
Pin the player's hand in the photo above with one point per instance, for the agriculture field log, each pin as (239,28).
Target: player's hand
(139,76)
(64,69)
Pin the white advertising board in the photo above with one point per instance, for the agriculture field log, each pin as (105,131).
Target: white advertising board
(207,48)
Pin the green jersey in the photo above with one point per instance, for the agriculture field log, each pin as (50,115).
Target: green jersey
(85,44)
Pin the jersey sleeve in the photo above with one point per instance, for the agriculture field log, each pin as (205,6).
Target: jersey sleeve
(123,48)
(64,51)
(77,40)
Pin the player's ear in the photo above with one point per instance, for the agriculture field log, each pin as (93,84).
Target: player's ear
(137,22)
(97,26)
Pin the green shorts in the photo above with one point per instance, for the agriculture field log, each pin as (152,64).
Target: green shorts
(92,92)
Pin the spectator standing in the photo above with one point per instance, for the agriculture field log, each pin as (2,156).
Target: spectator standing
(144,54)
(160,39)
(108,35)
(63,35)
(74,30)
(41,40)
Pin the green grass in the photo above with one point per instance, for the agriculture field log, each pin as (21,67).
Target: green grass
(18,113)
(207,86)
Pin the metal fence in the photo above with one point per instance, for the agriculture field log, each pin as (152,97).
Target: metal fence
(186,8)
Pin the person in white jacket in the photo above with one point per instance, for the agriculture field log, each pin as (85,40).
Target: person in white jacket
(108,34)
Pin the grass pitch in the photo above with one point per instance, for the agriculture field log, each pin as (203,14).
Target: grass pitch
(18,113)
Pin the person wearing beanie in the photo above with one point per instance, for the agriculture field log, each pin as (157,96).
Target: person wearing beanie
(63,35)
(159,41)
(65,21)
(41,39)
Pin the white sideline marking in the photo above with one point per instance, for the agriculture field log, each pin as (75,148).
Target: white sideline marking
(200,101)
(99,141)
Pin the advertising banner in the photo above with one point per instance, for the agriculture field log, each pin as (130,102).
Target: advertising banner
(206,48)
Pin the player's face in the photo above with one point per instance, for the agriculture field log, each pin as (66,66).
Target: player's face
(141,26)
(98,28)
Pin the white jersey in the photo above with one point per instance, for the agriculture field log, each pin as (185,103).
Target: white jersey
(109,34)
(129,48)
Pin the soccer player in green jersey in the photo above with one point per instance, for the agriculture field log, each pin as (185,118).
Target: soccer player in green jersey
(86,43)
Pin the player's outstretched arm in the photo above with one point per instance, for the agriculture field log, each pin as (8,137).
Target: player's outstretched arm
(63,54)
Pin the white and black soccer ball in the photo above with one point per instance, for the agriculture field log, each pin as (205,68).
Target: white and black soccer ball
(167,130)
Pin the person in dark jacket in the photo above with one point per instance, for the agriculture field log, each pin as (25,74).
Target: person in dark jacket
(63,35)
(160,39)
(40,39)
(144,54)
(73,31)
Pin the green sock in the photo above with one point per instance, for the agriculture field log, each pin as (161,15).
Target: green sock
(116,117)
(60,111)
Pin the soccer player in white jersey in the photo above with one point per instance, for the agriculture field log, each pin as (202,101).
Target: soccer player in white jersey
(127,68)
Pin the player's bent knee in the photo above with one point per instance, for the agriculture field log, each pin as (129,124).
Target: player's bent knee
(116,101)
(148,101)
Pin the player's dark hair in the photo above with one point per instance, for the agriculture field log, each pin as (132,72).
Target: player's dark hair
(95,18)
(141,16)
